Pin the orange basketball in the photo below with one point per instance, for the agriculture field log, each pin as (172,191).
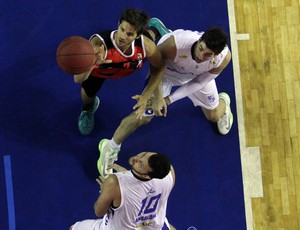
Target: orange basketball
(75,55)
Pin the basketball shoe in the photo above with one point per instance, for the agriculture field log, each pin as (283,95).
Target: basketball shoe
(157,24)
(225,122)
(108,155)
(86,119)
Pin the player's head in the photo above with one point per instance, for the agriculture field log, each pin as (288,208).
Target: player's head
(136,18)
(211,43)
(215,39)
(150,165)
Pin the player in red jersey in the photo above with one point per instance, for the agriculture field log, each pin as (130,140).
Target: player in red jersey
(120,53)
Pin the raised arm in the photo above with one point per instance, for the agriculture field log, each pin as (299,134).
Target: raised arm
(167,51)
(156,71)
(110,194)
(99,49)
(198,82)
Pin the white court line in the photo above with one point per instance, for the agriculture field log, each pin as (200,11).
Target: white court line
(250,156)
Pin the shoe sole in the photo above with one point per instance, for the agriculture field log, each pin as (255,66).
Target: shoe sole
(166,29)
(226,97)
(98,103)
(231,119)
(99,166)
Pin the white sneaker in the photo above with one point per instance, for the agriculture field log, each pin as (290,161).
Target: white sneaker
(225,122)
(108,156)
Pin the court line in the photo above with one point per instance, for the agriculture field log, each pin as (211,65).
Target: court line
(9,193)
(250,156)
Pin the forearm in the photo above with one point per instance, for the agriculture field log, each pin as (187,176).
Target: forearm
(184,91)
(158,91)
(192,86)
(78,78)
(154,81)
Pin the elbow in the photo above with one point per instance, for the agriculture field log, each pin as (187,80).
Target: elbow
(98,215)
(97,212)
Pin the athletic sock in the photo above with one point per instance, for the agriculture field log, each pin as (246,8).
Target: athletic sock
(113,144)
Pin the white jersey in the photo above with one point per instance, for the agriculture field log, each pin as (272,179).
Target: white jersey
(184,68)
(143,203)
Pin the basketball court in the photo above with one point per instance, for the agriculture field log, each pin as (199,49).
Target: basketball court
(48,172)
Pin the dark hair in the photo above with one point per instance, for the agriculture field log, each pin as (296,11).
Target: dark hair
(160,165)
(136,18)
(215,39)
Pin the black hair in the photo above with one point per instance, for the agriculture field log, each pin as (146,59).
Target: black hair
(137,18)
(160,165)
(215,39)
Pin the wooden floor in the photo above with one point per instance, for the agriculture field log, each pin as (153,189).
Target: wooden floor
(266,42)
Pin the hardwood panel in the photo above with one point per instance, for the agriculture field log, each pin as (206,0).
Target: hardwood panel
(270,79)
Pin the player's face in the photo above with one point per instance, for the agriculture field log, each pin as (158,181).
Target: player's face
(139,163)
(125,35)
(202,53)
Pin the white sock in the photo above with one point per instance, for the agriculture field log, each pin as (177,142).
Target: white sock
(113,144)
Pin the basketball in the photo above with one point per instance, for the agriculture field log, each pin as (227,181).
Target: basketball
(75,55)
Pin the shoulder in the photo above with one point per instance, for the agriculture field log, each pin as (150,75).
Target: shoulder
(167,47)
(226,59)
(150,46)
(224,63)
(101,38)
(187,35)
(112,181)
(153,54)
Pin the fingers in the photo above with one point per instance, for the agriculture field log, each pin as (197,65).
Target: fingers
(139,116)
(138,104)
(158,113)
(118,168)
(100,56)
(100,180)
(136,97)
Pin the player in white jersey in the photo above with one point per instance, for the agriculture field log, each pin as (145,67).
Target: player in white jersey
(135,199)
(193,61)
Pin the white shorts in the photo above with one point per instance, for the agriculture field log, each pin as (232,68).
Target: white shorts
(88,225)
(207,97)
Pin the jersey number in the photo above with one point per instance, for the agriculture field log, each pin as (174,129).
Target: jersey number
(149,204)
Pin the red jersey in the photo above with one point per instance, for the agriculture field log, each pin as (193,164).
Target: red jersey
(122,64)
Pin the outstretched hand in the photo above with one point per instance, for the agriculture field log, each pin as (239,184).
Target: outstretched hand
(159,106)
(99,59)
(100,53)
(140,106)
(118,168)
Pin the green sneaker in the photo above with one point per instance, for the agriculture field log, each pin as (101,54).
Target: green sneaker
(162,29)
(225,123)
(86,119)
(108,156)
